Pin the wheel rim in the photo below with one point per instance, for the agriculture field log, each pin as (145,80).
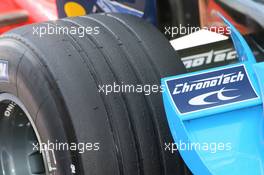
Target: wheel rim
(19,139)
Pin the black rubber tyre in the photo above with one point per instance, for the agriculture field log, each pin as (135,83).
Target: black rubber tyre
(57,77)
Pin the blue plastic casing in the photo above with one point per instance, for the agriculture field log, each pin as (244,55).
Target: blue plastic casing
(217,124)
(149,12)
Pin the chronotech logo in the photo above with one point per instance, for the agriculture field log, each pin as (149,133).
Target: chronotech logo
(209,58)
(211,89)
(201,99)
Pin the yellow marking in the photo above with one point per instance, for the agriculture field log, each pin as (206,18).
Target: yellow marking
(74,9)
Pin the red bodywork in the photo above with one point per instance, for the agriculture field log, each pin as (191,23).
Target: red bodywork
(44,10)
(209,17)
(37,10)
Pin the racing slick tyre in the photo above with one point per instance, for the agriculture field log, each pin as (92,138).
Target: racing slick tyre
(54,96)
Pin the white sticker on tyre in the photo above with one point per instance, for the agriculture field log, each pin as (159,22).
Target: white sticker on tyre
(4,71)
